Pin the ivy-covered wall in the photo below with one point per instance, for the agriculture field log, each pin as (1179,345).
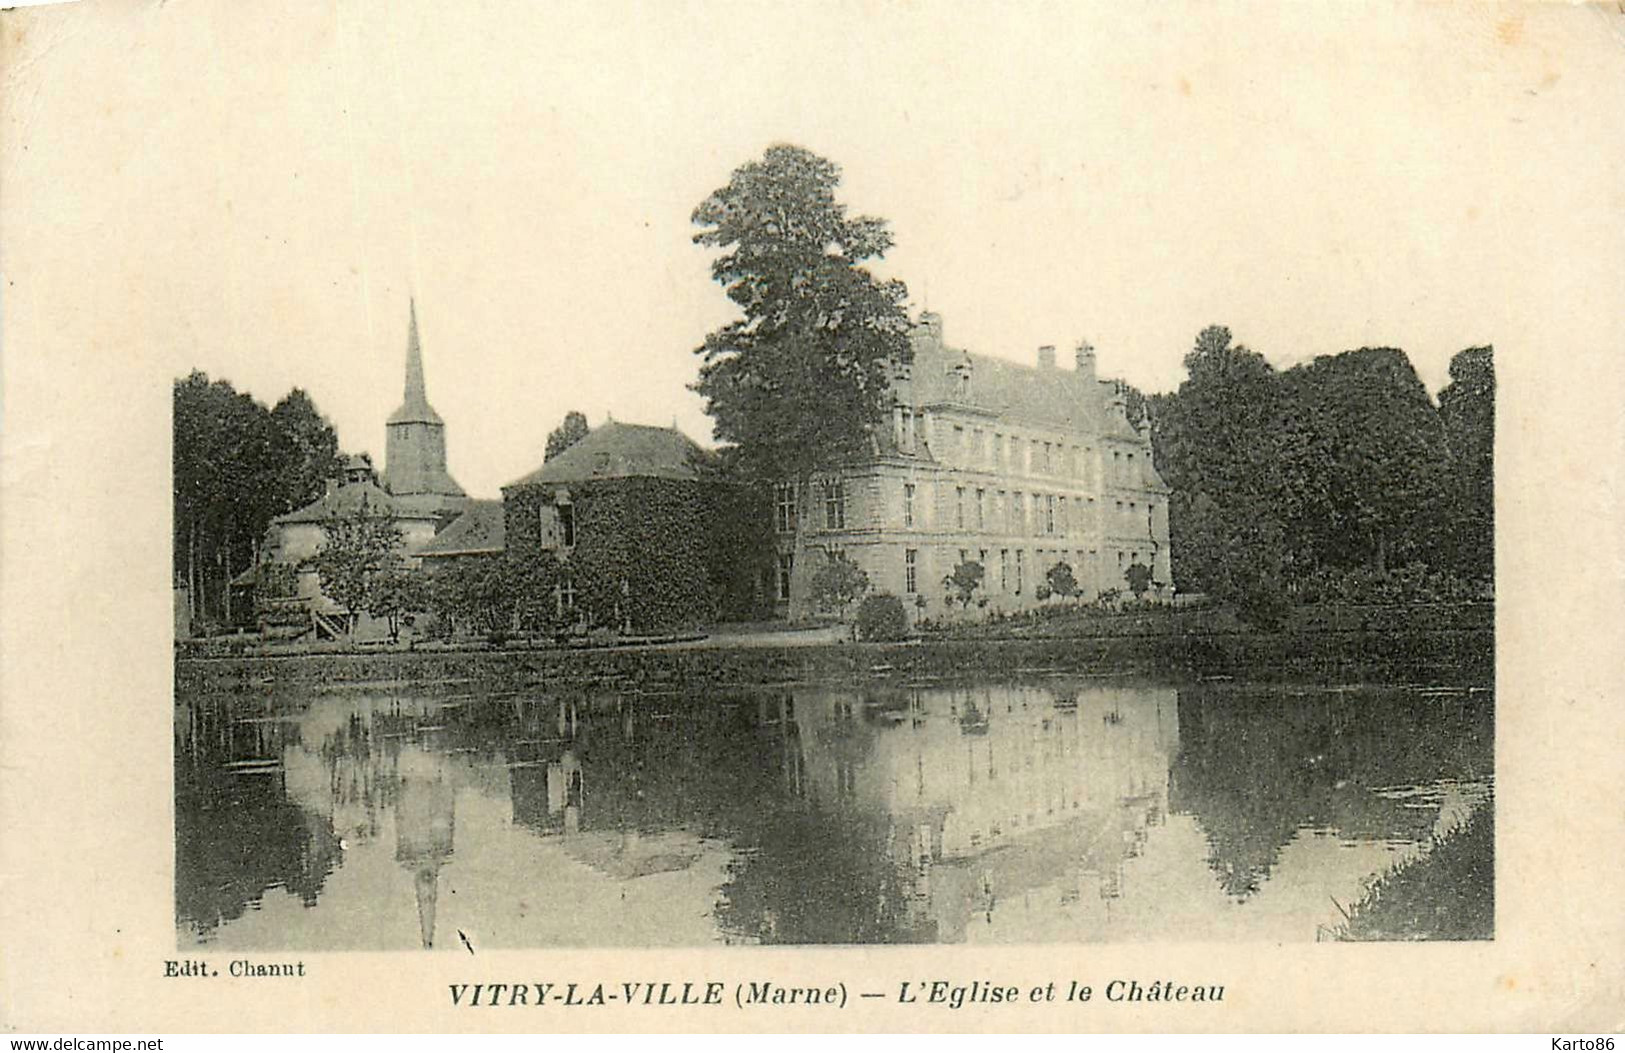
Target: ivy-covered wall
(655,554)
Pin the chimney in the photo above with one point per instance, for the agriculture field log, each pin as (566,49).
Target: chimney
(1046,357)
(928,331)
(1086,359)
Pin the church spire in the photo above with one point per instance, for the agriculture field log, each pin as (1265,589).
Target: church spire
(415,408)
(415,393)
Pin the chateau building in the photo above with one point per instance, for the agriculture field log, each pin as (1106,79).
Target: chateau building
(1015,467)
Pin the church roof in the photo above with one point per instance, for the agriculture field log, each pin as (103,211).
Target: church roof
(622,451)
(480,529)
(415,409)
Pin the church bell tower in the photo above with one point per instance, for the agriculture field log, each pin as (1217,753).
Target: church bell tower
(415,449)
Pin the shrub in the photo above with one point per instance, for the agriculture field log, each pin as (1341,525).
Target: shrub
(1138,576)
(881,617)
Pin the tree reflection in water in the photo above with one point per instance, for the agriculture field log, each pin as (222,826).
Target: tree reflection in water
(874,814)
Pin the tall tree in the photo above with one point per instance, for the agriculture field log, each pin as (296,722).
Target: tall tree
(1467,411)
(567,434)
(1215,446)
(307,451)
(236,466)
(797,383)
(1365,461)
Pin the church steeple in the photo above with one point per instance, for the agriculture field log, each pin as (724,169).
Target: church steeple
(415,407)
(415,447)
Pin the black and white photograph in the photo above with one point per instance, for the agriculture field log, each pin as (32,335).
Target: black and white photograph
(704,477)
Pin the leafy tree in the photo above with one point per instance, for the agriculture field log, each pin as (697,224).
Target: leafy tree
(361,552)
(566,435)
(838,584)
(800,380)
(397,591)
(1467,411)
(458,591)
(965,582)
(1061,580)
(306,451)
(1363,462)
(237,465)
(1216,445)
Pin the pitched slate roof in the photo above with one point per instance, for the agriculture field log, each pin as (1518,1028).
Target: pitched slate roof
(622,451)
(343,501)
(1044,395)
(477,531)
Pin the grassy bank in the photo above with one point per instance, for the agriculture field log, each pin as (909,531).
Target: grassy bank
(1447,894)
(1454,656)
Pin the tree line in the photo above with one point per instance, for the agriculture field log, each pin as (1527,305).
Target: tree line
(237,465)
(1336,479)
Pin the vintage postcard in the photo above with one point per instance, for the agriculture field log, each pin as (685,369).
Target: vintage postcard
(791,516)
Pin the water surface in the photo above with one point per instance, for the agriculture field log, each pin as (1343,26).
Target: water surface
(1058,809)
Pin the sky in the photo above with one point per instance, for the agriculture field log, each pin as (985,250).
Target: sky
(259,189)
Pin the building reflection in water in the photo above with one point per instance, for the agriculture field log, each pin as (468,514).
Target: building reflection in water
(796,814)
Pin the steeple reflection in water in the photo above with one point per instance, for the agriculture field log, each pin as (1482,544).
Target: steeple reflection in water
(1044,811)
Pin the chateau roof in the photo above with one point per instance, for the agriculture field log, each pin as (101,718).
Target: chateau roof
(998,386)
(479,530)
(347,500)
(622,451)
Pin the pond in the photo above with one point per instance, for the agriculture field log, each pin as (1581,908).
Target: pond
(1052,809)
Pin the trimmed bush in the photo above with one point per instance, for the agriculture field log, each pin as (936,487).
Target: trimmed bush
(880,617)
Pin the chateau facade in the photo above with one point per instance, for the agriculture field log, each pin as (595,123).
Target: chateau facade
(1015,467)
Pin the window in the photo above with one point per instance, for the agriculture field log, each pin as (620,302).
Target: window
(1033,463)
(1049,514)
(907,440)
(978,446)
(566,594)
(1049,463)
(911,561)
(1019,569)
(998,449)
(981,509)
(1001,508)
(834,504)
(784,507)
(567,525)
(908,504)
(1004,570)
(959,444)
(787,566)
(959,507)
